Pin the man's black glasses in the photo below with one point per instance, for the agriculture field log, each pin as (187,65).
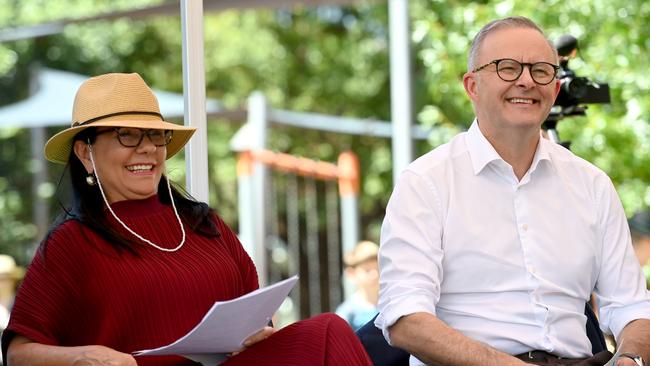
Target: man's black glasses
(543,73)
(132,137)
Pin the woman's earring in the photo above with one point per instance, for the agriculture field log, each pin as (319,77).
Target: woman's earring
(90,179)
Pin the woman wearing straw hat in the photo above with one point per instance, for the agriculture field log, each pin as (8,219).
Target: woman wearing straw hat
(135,264)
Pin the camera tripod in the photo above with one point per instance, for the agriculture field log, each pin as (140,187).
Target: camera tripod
(550,126)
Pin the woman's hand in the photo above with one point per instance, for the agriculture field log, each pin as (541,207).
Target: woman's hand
(257,337)
(23,351)
(102,356)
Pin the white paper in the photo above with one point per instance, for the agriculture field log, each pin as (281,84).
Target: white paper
(227,325)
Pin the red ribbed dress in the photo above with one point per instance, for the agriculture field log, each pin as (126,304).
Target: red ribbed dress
(83,292)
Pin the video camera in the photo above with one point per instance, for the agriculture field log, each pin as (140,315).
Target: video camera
(575,91)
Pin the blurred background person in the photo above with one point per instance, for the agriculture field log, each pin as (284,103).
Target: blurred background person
(640,230)
(10,276)
(363,272)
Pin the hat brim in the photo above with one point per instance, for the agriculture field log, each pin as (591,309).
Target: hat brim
(58,147)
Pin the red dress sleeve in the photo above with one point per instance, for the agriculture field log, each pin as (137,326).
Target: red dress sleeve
(79,290)
(49,284)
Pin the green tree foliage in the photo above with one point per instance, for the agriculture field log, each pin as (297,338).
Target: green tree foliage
(15,189)
(334,60)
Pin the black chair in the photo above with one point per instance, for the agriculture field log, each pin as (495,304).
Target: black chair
(382,354)
(594,333)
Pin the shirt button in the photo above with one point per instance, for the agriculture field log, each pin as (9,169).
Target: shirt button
(524,227)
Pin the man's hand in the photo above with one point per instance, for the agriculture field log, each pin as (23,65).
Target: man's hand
(635,339)
(625,361)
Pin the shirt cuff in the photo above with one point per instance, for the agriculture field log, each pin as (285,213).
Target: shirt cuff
(390,314)
(620,317)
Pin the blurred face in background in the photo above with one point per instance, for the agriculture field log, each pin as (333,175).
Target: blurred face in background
(365,276)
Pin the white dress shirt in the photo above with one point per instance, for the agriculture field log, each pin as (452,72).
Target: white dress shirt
(506,262)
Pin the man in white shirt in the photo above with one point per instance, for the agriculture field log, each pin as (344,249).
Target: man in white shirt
(493,242)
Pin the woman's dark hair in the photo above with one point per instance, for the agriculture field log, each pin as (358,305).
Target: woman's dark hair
(88,205)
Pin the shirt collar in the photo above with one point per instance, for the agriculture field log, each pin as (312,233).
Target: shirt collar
(542,152)
(483,153)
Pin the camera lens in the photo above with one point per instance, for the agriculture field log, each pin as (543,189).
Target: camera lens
(576,87)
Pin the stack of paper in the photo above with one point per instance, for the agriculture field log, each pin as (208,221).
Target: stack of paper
(227,325)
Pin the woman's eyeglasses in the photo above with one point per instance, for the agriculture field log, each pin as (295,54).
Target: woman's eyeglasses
(132,137)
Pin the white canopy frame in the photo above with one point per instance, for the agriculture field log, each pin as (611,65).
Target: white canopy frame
(194,88)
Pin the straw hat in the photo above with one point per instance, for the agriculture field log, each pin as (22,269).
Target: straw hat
(9,269)
(114,100)
(365,250)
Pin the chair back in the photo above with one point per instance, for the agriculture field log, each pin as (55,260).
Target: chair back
(380,352)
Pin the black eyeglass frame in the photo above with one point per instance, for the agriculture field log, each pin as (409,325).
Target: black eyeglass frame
(168,134)
(556,68)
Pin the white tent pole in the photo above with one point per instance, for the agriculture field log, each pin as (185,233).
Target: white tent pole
(400,85)
(258,118)
(196,153)
(40,207)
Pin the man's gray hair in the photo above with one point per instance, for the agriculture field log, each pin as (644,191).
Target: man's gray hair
(510,22)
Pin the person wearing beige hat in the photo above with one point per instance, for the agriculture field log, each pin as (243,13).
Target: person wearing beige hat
(640,232)
(134,263)
(362,270)
(10,275)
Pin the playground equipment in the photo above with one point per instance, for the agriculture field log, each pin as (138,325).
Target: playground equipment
(302,230)
(313,242)
(317,262)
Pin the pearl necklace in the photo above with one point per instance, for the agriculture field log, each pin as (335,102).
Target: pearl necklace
(169,189)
